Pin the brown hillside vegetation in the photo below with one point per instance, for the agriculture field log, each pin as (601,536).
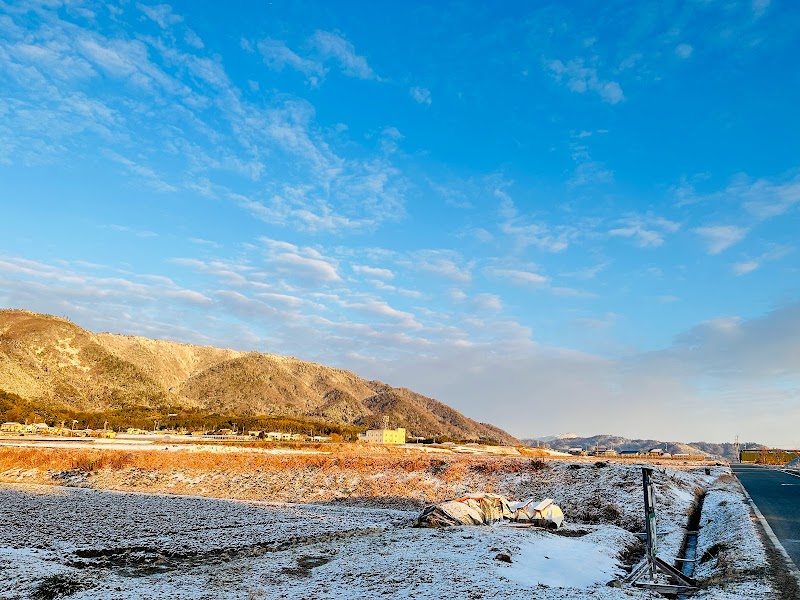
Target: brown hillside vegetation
(52,365)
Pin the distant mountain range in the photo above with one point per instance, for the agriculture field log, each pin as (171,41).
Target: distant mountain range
(565,441)
(52,364)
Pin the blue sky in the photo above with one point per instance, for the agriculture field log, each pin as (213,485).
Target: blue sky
(552,217)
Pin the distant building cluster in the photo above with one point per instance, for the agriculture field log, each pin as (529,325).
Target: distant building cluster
(651,453)
(226,433)
(371,436)
(280,436)
(14,428)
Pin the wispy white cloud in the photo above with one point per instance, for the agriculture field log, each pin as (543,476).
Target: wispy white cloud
(605,322)
(526,233)
(759,7)
(763,198)
(288,300)
(383,286)
(277,55)
(190,296)
(373,271)
(142,233)
(193,40)
(204,242)
(160,13)
(580,78)
(646,231)
(148,174)
(748,266)
(92,283)
(457,295)
(442,263)
(569,292)
(421,95)
(720,237)
(489,302)
(248,308)
(190,125)
(314,269)
(518,276)
(383,309)
(587,169)
(304,264)
(752,264)
(332,46)
(323,48)
(684,50)
(588,272)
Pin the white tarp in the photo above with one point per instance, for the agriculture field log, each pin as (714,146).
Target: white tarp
(543,514)
(473,509)
(484,509)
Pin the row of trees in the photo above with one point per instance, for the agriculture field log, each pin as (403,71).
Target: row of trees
(124,416)
(774,457)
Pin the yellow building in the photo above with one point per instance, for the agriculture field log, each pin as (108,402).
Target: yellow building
(385,436)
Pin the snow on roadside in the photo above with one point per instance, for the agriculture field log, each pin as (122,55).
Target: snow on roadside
(730,550)
(608,492)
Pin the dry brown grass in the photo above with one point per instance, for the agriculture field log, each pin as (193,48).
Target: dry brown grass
(407,467)
(90,460)
(352,472)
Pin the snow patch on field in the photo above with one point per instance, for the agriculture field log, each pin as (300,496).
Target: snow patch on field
(568,562)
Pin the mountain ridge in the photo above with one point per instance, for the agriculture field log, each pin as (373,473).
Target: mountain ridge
(563,442)
(55,362)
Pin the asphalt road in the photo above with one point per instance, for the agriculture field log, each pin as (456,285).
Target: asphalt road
(777,496)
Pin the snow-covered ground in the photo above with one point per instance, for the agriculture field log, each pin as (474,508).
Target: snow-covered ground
(89,543)
(124,545)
